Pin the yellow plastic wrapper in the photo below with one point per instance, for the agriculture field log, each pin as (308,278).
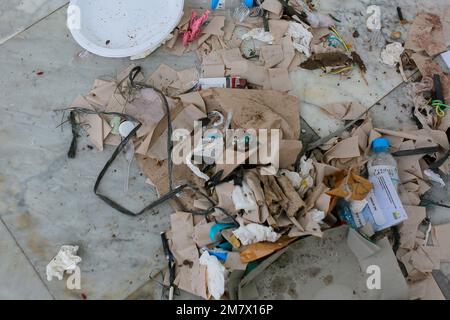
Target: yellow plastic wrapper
(351,187)
(260,250)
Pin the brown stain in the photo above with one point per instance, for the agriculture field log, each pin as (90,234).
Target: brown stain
(2,184)
(292,291)
(313,272)
(145,292)
(280,284)
(328,280)
(38,246)
(26,221)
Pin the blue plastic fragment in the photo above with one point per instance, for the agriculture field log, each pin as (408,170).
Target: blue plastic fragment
(222,256)
(215,230)
(225,246)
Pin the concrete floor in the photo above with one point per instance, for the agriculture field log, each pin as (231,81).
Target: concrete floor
(46,200)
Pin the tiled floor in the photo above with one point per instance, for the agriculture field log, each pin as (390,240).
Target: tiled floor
(46,200)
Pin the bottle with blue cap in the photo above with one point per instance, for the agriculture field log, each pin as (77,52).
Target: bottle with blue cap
(382,161)
(230,4)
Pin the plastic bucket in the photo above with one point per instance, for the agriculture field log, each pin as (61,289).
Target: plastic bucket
(122,28)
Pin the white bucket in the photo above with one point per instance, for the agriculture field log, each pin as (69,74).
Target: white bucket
(122,28)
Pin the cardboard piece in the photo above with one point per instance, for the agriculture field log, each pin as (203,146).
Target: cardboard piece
(279,79)
(428,68)
(348,148)
(213,71)
(442,233)
(288,52)
(289,151)
(295,202)
(215,26)
(173,82)
(148,108)
(201,233)
(96,128)
(253,73)
(193,98)
(101,93)
(185,120)
(271,55)
(426,35)
(190,275)
(163,77)
(426,289)
(256,109)
(408,230)
(344,110)
(273,6)
(278,29)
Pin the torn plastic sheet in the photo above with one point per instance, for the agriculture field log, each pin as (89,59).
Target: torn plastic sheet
(65,261)
(391,55)
(301,38)
(204,147)
(254,233)
(316,215)
(259,34)
(319,20)
(215,272)
(434,177)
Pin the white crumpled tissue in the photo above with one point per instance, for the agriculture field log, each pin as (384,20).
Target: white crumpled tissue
(254,233)
(259,34)
(391,55)
(65,260)
(244,198)
(301,38)
(215,275)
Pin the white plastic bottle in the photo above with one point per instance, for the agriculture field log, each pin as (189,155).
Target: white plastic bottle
(382,161)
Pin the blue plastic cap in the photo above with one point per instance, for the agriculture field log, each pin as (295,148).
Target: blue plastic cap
(215,4)
(249,3)
(380,145)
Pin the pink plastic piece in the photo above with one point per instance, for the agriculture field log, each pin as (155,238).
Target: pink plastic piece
(194,29)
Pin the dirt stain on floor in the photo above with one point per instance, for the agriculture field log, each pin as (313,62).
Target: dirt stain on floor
(280,285)
(328,280)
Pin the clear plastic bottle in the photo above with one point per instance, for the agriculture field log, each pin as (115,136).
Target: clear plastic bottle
(382,161)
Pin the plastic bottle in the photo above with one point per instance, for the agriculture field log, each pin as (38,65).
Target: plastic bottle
(382,161)
(230,4)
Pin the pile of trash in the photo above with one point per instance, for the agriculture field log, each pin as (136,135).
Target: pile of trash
(264,43)
(231,214)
